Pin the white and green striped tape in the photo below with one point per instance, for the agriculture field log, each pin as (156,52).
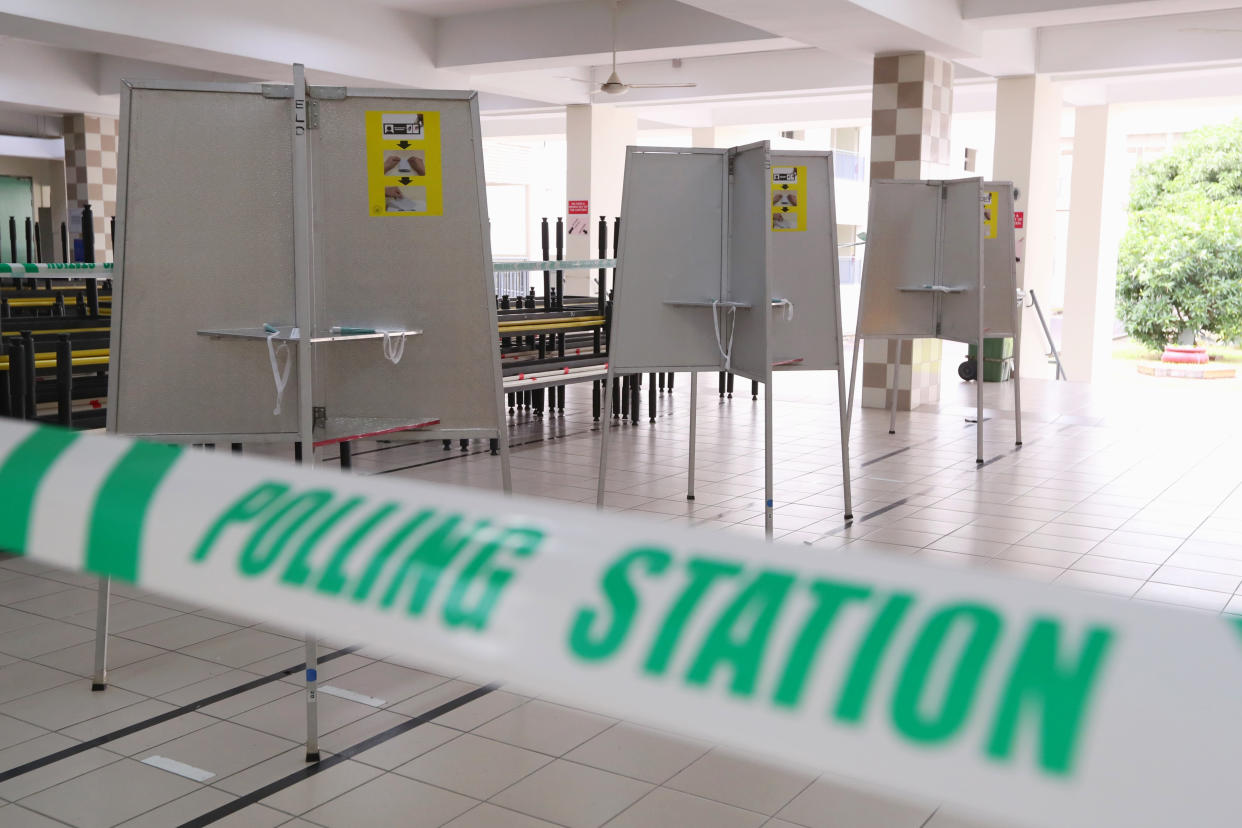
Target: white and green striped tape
(68,270)
(553,264)
(1020,703)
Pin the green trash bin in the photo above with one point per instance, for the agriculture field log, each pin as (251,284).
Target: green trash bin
(997,361)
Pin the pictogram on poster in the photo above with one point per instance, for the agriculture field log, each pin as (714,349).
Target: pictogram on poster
(578,224)
(788,198)
(403,164)
(991,202)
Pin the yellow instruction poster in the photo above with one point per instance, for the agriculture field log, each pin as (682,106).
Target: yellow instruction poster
(404,169)
(788,198)
(991,200)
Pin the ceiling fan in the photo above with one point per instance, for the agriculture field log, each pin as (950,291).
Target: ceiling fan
(614,85)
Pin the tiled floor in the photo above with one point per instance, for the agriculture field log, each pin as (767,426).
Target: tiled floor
(1127,490)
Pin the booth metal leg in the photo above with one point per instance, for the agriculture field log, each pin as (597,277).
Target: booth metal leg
(896,383)
(605,428)
(845,443)
(1017,385)
(729,385)
(768,512)
(979,404)
(849,405)
(99,681)
(694,416)
(722,384)
(346,455)
(595,405)
(754,390)
(651,397)
(506,471)
(312,665)
(670,382)
(312,698)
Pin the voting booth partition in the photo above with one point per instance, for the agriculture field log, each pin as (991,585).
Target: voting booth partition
(727,262)
(347,276)
(941,264)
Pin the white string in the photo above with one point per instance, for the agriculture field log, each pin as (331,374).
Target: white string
(394,345)
(787,305)
(279,376)
(726,350)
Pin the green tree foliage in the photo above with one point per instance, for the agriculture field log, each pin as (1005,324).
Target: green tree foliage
(1180,267)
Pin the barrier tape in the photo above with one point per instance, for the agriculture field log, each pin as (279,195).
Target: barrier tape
(553,264)
(54,270)
(1024,703)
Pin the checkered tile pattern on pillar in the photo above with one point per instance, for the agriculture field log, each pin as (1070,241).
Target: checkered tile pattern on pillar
(918,372)
(911,109)
(90,173)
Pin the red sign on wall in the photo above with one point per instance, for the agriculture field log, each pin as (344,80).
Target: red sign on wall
(578,208)
(1019,219)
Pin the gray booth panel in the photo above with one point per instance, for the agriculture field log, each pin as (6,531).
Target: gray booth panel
(205,220)
(429,273)
(961,249)
(749,239)
(670,260)
(805,271)
(901,253)
(1000,267)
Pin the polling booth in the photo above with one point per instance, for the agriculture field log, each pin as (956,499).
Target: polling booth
(344,290)
(727,262)
(941,264)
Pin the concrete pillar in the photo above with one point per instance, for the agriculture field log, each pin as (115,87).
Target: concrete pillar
(1097,220)
(1027,152)
(912,106)
(596,136)
(90,174)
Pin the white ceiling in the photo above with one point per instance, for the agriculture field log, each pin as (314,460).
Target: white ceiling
(445,8)
(532,56)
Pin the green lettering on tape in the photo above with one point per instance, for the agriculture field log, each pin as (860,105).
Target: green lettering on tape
(332,581)
(375,566)
(246,508)
(20,476)
(297,571)
(1042,682)
(266,545)
(852,704)
(459,611)
(424,564)
(703,572)
(114,539)
(830,598)
(982,626)
(754,610)
(623,605)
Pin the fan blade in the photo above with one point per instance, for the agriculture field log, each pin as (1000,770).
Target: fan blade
(660,85)
(579,80)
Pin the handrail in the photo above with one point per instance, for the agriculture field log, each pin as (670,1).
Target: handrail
(1061,375)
